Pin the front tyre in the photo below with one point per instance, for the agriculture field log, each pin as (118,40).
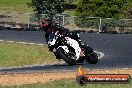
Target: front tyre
(70,60)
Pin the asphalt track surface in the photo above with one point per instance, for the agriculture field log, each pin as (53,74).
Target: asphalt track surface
(117,49)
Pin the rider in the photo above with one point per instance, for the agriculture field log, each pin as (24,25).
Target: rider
(49,27)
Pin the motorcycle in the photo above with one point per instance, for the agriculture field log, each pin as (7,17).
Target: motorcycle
(68,49)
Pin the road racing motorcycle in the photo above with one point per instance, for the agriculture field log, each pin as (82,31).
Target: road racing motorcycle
(68,49)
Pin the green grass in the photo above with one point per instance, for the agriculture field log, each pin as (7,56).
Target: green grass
(12,54)
(15,6)
(69,83)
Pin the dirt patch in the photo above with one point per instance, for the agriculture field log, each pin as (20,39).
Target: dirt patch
(30,78)
(19,79)
(73,27)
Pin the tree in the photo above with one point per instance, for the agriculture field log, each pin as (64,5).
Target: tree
(102,8)
(48,6)
(70,1)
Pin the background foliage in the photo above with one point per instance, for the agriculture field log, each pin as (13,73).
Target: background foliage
(103,8)
(116,9)
(48,6)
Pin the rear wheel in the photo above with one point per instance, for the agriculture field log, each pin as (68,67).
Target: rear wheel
(92,58)
(67,57)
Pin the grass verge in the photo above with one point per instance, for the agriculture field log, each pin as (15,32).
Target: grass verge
(12,54)
(60,79)
(15,6)
(70,83)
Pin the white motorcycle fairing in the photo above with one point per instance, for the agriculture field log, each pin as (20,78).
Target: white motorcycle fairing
(64,48)
(73,43)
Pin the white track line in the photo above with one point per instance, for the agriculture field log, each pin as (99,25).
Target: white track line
(10,41)
(1,40)
(22,42)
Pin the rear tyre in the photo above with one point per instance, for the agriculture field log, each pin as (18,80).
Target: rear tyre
(92,58)
(68,58)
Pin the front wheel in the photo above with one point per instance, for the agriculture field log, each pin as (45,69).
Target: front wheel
(92,58)
(67,57)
